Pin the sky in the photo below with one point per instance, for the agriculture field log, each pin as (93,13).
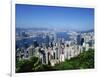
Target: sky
(54,17)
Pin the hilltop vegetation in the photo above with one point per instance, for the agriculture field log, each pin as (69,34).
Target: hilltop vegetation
(83,61)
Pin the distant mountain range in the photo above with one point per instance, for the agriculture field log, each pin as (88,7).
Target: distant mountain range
(33,29)
(46,29)
(86,31)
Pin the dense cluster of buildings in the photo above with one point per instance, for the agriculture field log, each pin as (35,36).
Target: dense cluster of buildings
(58,49)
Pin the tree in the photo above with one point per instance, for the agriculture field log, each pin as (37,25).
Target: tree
(31,65)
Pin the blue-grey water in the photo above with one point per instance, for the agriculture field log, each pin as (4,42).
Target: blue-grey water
(26,42)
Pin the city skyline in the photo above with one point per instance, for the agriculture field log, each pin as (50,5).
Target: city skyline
(54,17)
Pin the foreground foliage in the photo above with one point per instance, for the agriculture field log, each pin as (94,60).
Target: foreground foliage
(83,61)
